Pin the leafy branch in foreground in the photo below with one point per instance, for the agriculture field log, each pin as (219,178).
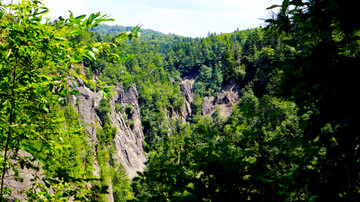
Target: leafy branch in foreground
(35,63)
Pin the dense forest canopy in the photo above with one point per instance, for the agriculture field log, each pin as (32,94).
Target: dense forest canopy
(292,134)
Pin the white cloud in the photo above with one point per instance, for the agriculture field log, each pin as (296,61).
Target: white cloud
(184,17)
(166,11)
(61,8)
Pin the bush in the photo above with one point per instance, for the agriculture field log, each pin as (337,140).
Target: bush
(103,110)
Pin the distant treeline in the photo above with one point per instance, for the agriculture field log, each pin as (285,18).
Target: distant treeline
(113,30)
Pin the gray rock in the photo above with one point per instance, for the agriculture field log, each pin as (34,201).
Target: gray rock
(186,87)
(208,106)
(28,176)
(129,140)
(227,97)
(81,82)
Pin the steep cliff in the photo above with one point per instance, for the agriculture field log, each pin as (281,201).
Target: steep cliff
(129,138)
(186,87)
(124,116)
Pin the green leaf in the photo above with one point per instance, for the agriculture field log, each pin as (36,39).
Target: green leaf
(43,12)
(134,32)
(16,171)
(121,36)
(2,13)
(80,17)
(285,4)
(273,6)
(45,109)
(90,55)
(102,93)
(90,20)
(95,50)
(272,21)
(71,16)
(313,198)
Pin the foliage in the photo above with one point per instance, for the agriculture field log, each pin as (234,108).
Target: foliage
(157,91)
(244,162)
(103,111)
(319,76)
(156,63)
(36,57)
(291,136)
(208,82)
(270,148)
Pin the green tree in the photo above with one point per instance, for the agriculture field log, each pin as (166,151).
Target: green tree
(320,75)
(35,62)
(254,158)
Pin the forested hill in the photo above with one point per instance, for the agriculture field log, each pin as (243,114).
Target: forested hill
(113,30)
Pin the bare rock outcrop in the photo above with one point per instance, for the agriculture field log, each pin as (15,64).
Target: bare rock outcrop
(85,104)
(186,87)
(129,138)
(208,106)
(227,97)
(26,176)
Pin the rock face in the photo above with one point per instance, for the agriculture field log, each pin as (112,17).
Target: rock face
(227,97)
(186,87)
(129,139)
(208,105)
(29,177)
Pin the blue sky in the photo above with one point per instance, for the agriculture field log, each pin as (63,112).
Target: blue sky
(193,18)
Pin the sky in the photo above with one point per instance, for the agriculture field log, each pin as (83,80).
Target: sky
(193,18)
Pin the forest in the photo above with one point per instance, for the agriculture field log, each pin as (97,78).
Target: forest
(270,115)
